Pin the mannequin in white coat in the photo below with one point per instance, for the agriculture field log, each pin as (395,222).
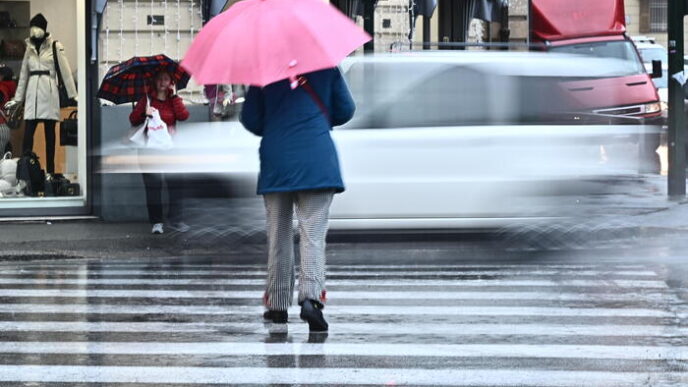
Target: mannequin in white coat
(38,89)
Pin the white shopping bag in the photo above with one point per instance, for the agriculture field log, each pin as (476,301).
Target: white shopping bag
(152,134)
(158,135)
(138,139)
(137,136)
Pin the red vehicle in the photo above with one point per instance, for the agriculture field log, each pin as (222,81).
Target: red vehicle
(598,28)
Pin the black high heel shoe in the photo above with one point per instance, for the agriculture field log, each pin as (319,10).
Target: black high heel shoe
(276,316)
(311,312)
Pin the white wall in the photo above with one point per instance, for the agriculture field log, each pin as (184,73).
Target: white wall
(125,33)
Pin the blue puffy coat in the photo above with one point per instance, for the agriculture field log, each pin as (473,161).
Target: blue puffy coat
(296,151)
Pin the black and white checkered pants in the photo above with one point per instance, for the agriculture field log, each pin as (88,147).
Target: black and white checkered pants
(312,211)
(5,137)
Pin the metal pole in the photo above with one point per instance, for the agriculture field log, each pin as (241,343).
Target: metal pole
(369,24)
(504,32)
(677,130)
(530,22)
(426,33)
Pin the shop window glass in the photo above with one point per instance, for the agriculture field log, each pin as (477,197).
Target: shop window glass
(140,28)
(38,38)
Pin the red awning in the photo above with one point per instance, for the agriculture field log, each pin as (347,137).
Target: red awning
(567,19)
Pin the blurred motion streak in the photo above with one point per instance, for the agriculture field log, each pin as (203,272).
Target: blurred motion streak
(444,141)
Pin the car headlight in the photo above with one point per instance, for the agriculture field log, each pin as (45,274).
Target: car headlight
(664,105)
(653,107)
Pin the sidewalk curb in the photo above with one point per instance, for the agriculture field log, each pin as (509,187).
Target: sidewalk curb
(252,244)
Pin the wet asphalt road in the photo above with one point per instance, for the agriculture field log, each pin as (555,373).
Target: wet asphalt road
(424,312)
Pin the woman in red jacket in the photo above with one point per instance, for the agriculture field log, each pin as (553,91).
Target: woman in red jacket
(171,108)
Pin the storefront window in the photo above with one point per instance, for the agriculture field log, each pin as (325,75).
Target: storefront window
(41,53)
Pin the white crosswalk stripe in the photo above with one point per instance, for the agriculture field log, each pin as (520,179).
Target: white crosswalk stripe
(339,310)
(416,282)
(332,267)
(333,295)
(132,323)
(352,328)
(365,349)
(342,376)
(349,328)
(231,273)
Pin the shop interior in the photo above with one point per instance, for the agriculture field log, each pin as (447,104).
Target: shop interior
(33,70)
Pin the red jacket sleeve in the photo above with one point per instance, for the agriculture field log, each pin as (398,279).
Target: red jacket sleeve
(180,111)
(138,115)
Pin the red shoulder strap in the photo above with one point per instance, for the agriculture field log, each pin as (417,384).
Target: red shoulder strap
(303,82)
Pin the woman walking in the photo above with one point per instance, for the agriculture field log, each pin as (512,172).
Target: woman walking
(171,108)
(299,171)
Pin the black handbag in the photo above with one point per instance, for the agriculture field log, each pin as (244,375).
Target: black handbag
(68,188)
(69,130)
(58,185)
(14,116)
(52,184)
(29,170)
(64,97)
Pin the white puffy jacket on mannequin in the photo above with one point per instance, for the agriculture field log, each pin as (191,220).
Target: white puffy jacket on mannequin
(39,92)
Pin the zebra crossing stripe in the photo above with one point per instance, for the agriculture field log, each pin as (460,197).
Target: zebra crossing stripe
(629,291)
(539,351)
(353,328)
(334,376)
(158,263)
(336,295)
(173,280)
(338,310)
(359,273)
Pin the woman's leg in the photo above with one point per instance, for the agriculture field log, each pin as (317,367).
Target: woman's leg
(153,184)
(176,193)
(49,126)
(27,142)
(312,211)
(279,293)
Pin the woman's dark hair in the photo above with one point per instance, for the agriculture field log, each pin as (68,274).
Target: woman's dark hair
(160,74)
(6,73)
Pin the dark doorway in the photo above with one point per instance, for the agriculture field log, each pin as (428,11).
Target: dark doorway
(454,17)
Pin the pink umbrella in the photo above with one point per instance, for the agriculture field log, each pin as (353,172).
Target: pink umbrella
(259,42)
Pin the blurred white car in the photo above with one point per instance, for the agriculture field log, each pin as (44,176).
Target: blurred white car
(439,140)
(643,39)
(650,51)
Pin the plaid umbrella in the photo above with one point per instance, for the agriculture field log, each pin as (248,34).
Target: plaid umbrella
(128,81)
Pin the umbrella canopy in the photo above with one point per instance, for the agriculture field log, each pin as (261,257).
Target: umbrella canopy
(129,81)
(259,42)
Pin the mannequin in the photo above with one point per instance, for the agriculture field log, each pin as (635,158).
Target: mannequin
(37,87)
